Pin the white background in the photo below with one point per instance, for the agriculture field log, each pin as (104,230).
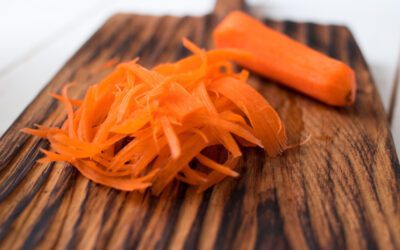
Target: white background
(37,37)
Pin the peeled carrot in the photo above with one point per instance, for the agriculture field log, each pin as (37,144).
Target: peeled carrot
(143,128)
(278,57)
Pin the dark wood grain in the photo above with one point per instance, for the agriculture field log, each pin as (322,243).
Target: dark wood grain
(339,191)
(394,96)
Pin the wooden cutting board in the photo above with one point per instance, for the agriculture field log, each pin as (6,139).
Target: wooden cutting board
(340,190)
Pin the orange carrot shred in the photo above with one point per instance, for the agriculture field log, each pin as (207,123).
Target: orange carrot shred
(216,166)
(109,64)
(171,136)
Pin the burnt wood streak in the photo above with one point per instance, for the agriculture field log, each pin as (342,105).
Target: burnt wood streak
(339,191)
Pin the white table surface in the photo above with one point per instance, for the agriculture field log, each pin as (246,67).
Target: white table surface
(37,37)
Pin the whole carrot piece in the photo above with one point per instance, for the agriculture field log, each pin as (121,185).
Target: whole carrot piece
(278,57)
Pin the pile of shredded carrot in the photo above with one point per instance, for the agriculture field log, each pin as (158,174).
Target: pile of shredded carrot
(141,128)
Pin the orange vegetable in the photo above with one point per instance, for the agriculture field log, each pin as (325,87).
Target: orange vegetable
(141,128)
(278,57)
